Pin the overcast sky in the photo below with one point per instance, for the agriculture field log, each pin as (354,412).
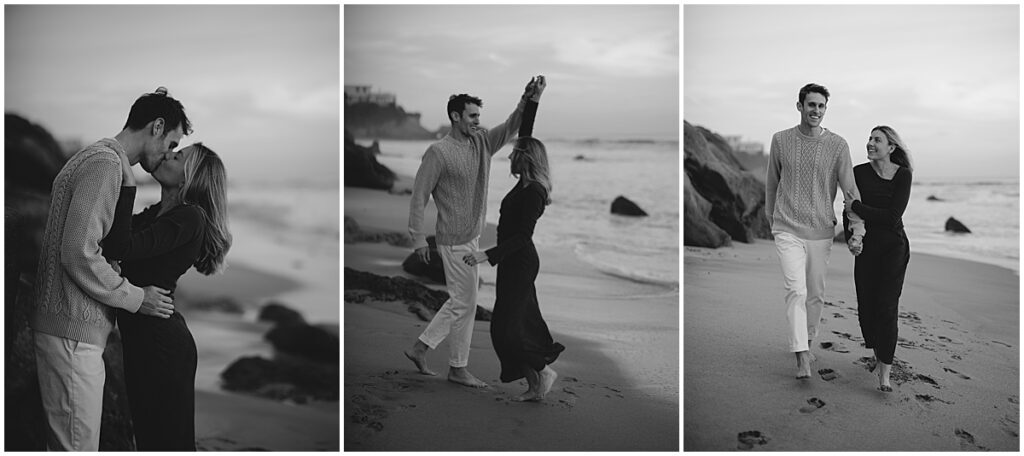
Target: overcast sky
(613,71)
(260,83)
(945,77)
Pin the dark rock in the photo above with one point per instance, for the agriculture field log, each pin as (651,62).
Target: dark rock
(623,206)
(283,379)
(305,341)
(370,120)
(434,270)
(955,226)
(32,159)
(934,198)
(354,234)
(399,289)
(736,196)
(581,157)
(362,168)
(280,314)
(699,230)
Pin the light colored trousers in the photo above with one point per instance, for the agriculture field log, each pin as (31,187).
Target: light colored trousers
(71,377)
(458,313)
(804,264)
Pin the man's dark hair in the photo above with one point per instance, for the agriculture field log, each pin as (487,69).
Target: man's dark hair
(152,106)
(812,88)
(457,103)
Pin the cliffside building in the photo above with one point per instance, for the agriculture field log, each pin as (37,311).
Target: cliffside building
(363,94)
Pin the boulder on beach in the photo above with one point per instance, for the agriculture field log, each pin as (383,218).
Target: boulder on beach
(306,341)
(736,196)
(362,168)
(623,206)
(434,269)
(354,234)
(33,158)
(283,379)
(399,288)
(955,226)
(699,230)
(934,198)
(280,314)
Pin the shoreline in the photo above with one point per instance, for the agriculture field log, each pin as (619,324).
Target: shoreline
(958,356)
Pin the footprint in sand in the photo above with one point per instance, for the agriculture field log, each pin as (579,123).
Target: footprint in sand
(1010,425)
(1014,399)
(927,379)
(965,377)
(1002,343)
(930,398)
(967,442)
(748,439)
(838,315)
(838,348)
(812,405)
(827,374)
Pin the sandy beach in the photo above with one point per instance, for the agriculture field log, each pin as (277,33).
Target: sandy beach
(618,378)
(956,380)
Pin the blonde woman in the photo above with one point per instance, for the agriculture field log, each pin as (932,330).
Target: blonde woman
(187,228)
(520,336)
(884,184)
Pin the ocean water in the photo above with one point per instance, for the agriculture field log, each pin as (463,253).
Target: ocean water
(644,249)
(990,208)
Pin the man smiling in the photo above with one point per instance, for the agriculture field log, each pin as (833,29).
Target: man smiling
(805,165)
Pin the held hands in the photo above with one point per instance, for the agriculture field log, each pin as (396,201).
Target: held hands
(856,245)
(156,303)
(475,258)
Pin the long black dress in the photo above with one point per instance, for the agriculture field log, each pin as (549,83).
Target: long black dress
(518,331)
(880,268)
(160,355)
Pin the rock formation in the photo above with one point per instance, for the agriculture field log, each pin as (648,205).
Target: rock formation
(955,226)
(699,230)
(362,168)
(361,286)
(623,206)
(369,120)
(736,196)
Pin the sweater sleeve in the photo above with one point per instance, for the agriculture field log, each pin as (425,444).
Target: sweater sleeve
(847,183)
(532,206)
(172,230)
(771,181)
(426,179)
(900,198)
(90,215)
(501,134)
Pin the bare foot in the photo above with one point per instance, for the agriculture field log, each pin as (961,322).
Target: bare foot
(462,376)
(547,378)
(420,360)
(528,396)
(803,365)
(883,377)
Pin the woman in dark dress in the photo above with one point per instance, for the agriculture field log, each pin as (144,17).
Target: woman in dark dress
(884,184)
(187,228)
(518,332)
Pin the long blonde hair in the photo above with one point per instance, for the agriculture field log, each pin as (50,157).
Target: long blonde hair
(901,154)
(535,156)
(206,186)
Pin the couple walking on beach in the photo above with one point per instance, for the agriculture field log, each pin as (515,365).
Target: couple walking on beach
(102,266)
(455,172)
(806,163)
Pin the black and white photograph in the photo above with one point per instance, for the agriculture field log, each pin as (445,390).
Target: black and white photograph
(171,222)
(851,260)
(511,216)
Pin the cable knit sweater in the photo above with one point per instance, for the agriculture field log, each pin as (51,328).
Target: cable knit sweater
(455,172)
(803,173)
(76,289)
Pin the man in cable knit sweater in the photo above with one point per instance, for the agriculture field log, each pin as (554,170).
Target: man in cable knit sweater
(455,172)
(805,165)
(77,291)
